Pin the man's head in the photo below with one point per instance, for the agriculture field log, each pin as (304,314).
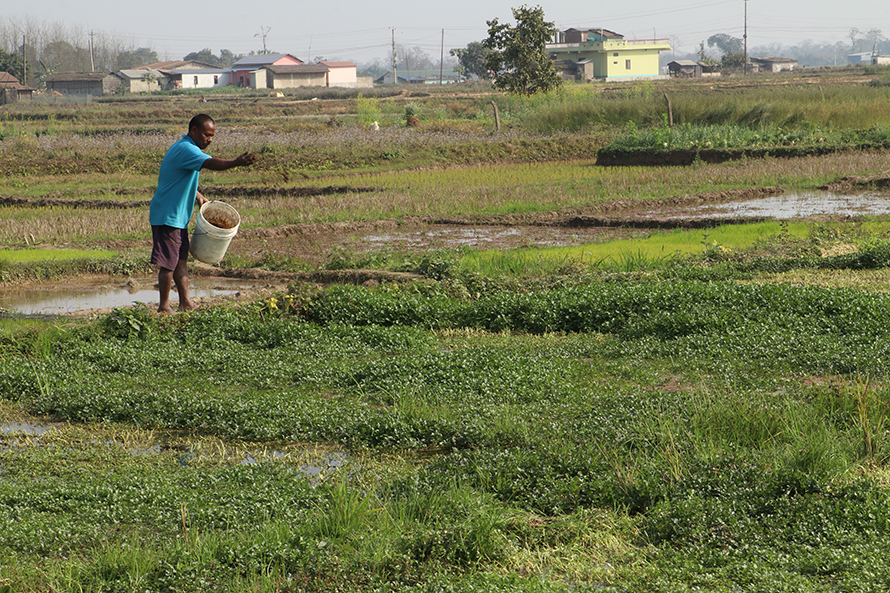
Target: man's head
(202,130)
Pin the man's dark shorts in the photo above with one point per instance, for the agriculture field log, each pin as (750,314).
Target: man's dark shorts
(168,246)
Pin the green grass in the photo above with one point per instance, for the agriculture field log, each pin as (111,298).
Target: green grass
(644,436)
(10,256)
(653,251)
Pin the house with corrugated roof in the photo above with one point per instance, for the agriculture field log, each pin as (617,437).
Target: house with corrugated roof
(600,54)
(177,65)
(143,81)
(244,69)
(12,91)
(83,83)
(289,77)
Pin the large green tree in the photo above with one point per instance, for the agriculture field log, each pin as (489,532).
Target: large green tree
(472,60)
(519,58)
(136,58)
(727,44)
(13,64)
(225,58)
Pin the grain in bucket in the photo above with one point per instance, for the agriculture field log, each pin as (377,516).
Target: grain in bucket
(217,223)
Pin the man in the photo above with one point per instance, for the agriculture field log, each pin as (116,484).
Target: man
(173,203)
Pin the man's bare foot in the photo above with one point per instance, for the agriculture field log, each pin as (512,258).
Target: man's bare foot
(187,306)
(166,310)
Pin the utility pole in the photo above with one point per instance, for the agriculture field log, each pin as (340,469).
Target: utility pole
(92,62)
(745,37)
(24,61)
(442,58)
(395,76)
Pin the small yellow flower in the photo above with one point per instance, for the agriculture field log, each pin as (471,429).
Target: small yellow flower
(273,303)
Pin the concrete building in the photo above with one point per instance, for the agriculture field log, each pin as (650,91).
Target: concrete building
(143,81)
(195,78)
(341,74)
(602,54)
(242,68)
(289,77)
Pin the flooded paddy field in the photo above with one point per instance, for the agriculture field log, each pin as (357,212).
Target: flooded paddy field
(315,243)
(104,293)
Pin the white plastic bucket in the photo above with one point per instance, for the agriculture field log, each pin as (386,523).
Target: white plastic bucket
(217,224)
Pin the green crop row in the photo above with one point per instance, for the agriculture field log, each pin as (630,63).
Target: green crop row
(617,436)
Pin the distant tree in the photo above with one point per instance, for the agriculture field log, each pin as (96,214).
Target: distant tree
(872,39)
(733,61)
(704,58)
(225,58)
(518,56)
(205,55)
(228,57)
(472,60)
(375,68)
(13,64)
(70,58)
(854,36)
(414,58)
(46,70)
(135,58)
(726,43)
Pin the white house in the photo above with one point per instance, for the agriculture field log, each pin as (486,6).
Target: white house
(193,78)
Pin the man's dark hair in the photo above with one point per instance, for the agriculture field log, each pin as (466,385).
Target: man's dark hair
(199,120)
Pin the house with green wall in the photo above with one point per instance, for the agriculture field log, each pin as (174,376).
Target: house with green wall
(601,54)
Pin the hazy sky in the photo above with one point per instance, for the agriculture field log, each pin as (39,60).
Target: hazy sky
(361,31)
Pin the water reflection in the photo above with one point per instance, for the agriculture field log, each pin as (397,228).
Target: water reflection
(24,428)
(51,300)
(795,205)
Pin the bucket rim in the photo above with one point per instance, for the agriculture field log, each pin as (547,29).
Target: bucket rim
(227,207)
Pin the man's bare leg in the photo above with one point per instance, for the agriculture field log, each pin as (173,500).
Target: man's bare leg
(181,278)
(165,283)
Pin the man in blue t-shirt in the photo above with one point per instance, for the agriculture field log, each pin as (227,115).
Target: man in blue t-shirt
(173,202)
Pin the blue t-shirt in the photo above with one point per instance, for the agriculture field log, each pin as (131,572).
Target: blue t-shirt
(174,199)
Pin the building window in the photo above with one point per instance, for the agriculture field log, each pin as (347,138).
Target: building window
(627,64)
(215,79)
(615,55)
(196,82)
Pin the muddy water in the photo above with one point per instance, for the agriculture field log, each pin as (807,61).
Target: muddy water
(25,428)
(54,300)
(799,204)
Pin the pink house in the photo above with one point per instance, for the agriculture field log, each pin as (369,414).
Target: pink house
(242,69)
(341,74)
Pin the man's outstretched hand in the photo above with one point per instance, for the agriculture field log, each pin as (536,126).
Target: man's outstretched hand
(248,158)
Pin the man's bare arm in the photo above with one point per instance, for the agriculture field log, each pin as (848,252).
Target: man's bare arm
(214,164)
